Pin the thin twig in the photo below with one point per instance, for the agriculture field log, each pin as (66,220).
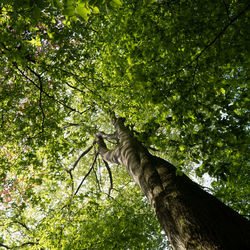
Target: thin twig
(22,224)
(40,103)
(79,158)
(69,171)
(73,125)
(227,9)
(79,80)
(72,181)
(231,21)
(27,243)
(99,172)
(84,178)
(194,85)
(73,87)
(22,245)
(48,95)
(218,35)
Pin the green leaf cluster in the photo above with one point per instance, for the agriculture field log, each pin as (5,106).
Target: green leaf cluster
(177,70)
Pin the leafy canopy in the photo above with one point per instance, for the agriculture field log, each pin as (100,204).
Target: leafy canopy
(177,70)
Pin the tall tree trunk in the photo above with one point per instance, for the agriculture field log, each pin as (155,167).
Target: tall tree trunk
(191,218)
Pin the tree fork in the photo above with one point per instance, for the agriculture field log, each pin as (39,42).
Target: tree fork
(191,217)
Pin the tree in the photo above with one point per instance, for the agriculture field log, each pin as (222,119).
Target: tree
(177,71)
(192,218)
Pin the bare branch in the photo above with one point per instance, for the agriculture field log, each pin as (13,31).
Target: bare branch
(84,178)
(73,87)
(79,158)
(69,171)
(97,180)
(2,245)
(72,181)
(40,103)
(24,244)
(110,176)
(22,224)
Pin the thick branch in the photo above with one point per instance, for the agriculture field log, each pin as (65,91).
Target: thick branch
(113,136)
(107,155)
(110,176)
(97,180)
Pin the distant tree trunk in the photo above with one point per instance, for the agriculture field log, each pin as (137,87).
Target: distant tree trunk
(191,218)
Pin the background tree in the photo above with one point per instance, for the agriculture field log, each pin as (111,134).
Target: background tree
(177,71)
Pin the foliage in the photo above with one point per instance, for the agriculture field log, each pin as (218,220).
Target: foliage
(177,70)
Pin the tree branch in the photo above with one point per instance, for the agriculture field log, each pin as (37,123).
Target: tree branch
(194,85)
(232,20)
(2,245)
(22,224)
(22,245)
(108,136)
(84,178)
(79,158)
(79,80)
(69,171)
(48,95)
(73,125)
(97,180)
(110,176)
(27,243)
(40,104)
(227,9)
(51,96)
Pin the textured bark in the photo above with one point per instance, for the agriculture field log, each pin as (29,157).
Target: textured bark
(191,218)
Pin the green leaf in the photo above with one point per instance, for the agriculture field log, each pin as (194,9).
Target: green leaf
(117,2)
(83,11)
(95,10)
